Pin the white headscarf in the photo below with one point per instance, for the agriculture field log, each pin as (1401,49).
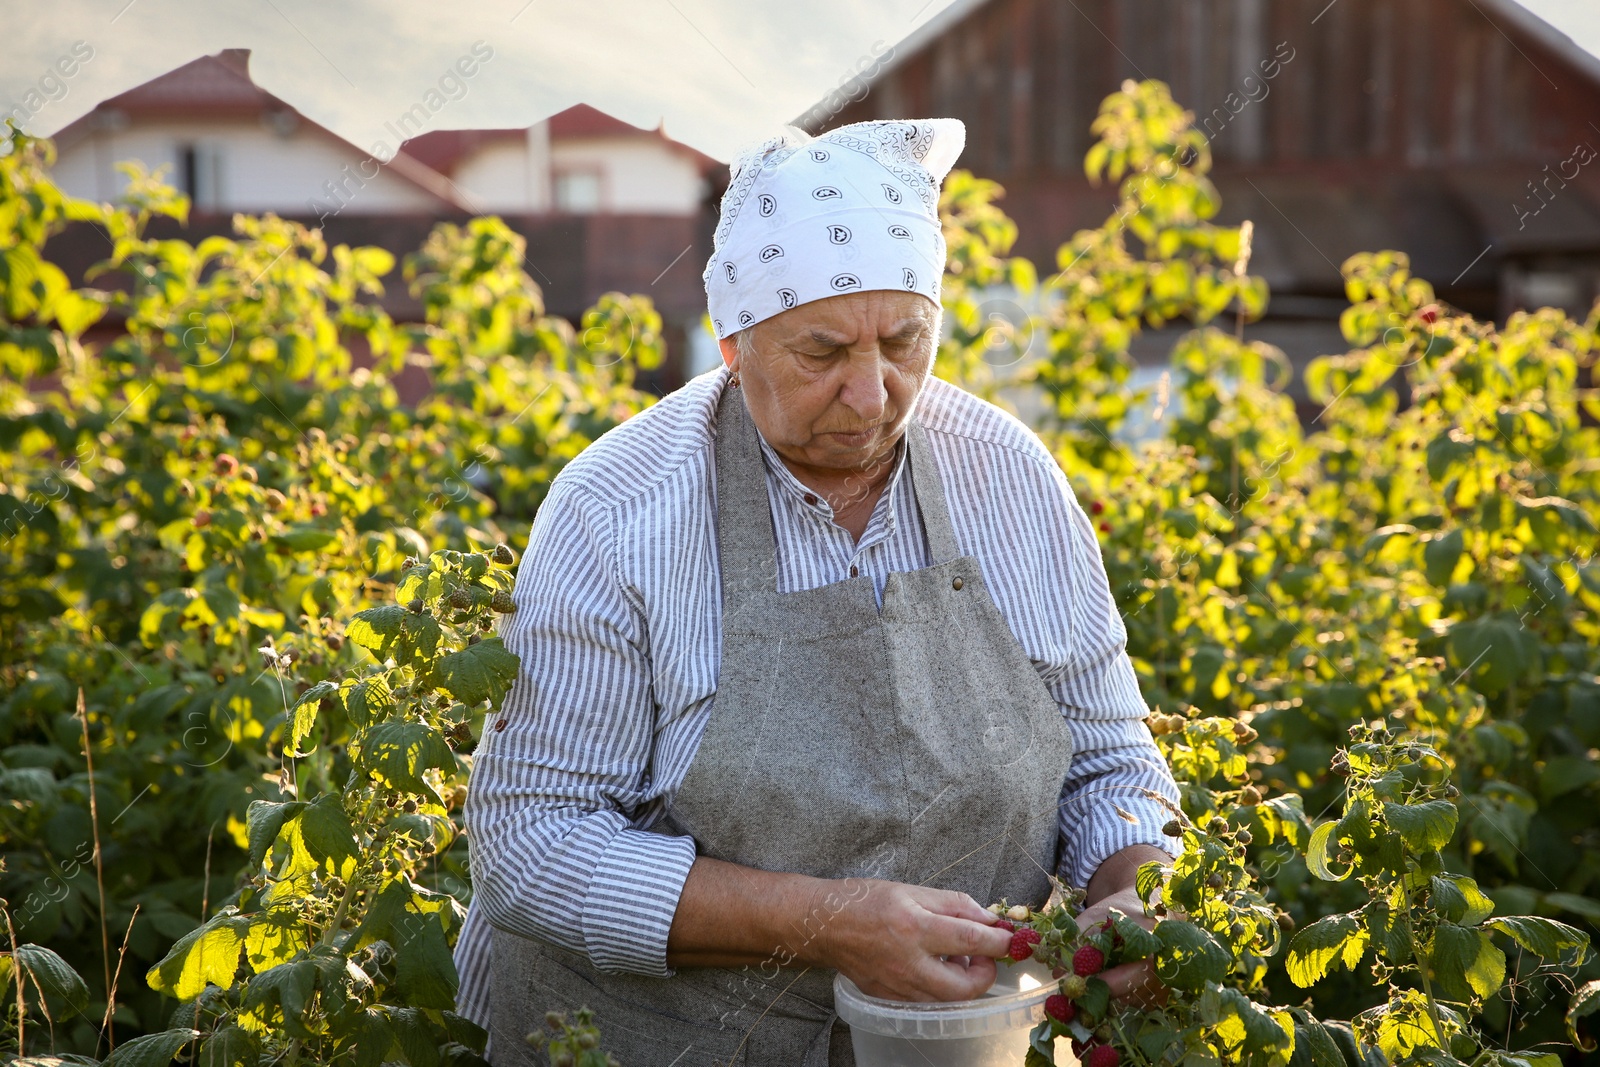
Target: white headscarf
(805,218)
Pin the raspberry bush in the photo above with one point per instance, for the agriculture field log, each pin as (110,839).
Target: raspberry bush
(223,509)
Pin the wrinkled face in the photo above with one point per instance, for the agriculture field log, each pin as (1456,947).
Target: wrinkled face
(831,383)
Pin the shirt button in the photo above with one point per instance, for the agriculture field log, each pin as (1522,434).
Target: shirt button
(499,724)
(811,498)
(854,570)
(956,584)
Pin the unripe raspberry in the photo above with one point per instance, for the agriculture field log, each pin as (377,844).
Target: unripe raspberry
(1088,960)
(1022,943)
(1073,986)
(1018,913)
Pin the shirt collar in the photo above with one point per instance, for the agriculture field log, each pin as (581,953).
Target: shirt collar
(817,504)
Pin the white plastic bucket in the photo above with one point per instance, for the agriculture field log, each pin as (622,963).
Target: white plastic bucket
(991,1031)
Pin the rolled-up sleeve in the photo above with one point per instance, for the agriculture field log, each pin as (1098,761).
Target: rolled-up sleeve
(557,852)
(1106,802)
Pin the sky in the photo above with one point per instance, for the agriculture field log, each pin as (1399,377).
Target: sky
(720,74)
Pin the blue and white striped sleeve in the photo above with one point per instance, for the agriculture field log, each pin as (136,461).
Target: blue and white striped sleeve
(1105,802)
(556,852)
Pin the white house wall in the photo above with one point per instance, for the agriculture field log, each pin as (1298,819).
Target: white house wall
(505,176)
(637,175)
(259,169)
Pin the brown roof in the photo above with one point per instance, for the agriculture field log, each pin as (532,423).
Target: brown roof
(219,86)
(443,150)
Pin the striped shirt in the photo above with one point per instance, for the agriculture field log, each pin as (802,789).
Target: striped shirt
(618,626)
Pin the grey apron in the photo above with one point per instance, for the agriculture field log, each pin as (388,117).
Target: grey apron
(916,744)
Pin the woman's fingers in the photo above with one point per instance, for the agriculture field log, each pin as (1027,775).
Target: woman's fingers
(1135,983)
(947,936)
(955,981)
(956,905)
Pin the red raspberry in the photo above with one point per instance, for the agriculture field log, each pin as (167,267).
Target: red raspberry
(1096,507)
(1007,925)
(1107,926)
(1059,1008)
(1429,314)
(1087,960)
(1022,943)
(1105,527)
(1102,1056)
(227,465)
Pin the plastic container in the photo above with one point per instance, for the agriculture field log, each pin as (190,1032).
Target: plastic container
(991,1031)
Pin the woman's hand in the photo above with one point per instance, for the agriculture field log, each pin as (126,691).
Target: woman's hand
(907,942)
(1131,983)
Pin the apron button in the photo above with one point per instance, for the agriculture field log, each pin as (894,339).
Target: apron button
(956,584)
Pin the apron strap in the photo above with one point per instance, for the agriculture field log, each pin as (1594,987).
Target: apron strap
(746,543)
(930,496)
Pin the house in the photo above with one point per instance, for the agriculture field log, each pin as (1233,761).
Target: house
(1463,132)
(604,205)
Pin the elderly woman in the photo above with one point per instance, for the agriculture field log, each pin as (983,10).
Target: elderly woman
(818,658)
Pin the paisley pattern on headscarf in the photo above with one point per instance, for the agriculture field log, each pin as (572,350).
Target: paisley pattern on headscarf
(856,208)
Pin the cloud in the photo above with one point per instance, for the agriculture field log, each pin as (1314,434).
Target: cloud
(719,73)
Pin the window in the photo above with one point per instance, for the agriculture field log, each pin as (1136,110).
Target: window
(200,171)
(578,191)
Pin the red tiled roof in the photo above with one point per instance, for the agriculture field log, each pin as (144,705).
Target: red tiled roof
(443,150)
(211,86)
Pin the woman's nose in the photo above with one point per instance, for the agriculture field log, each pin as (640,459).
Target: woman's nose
(864,391)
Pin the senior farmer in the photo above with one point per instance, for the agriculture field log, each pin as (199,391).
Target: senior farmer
(818,657)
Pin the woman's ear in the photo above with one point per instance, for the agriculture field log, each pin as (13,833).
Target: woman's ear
(730,350)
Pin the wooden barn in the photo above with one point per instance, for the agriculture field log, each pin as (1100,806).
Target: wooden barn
(1463,132)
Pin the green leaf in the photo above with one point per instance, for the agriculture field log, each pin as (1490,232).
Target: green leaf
(1493,652)
(1465,962)
(275,937)
(151,1050)
(1459,899)
(1585,907)
(208,955)
(1424,827)
(1189,957)
(1095,1002)
(1585,1002)
(264,820)
(1149,878)
(231,1046)
(1318,852)
(368,1038)
(1563,774)
(303,716)
(1314,948)
(1440,556)
(321,834)
(398,752)
(1314,1046)
(392,630)
(425,974)
(52,978)
(1041,1046)
(416,1035)
(1137,942)
(288,988)
(1246,1031)
(479,672)
(1545,938)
